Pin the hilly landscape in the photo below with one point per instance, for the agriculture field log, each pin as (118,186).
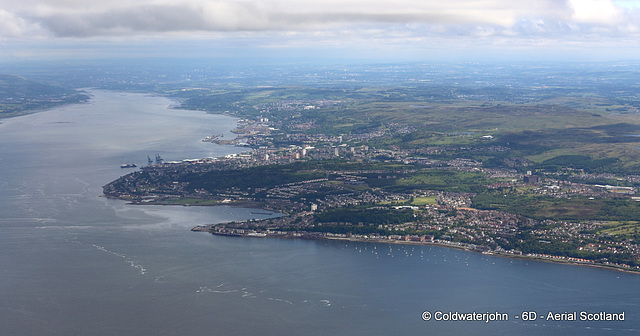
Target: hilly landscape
(20,96)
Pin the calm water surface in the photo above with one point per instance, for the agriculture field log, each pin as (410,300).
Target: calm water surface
(74,263)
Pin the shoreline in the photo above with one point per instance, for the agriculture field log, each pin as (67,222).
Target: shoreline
(207,228)
(261,206)
(241,204)
(496,254)
(42,109)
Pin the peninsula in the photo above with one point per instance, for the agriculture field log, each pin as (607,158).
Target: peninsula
(550,176)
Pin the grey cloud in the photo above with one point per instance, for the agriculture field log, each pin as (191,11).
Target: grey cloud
(501,17)
(116,22)
(178,18)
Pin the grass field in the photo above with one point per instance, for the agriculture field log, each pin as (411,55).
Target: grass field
(625,228)
(418,201)
(424,201)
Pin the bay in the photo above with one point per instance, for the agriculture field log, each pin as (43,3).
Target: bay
(75,263)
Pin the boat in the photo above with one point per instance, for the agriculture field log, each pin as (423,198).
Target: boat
(256,234)
(212,138)
(128,165)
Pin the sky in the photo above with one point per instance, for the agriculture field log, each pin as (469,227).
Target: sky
(385,30)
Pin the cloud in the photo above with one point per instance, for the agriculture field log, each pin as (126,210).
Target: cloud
(577,19)
(12,25)
(603,12)
(117,21)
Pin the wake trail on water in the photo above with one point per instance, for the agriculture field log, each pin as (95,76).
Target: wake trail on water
(131,262)
(223,289)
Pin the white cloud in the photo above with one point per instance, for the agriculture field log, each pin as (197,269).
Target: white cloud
(12,25)
(412,23)
(596,11)
(630,4)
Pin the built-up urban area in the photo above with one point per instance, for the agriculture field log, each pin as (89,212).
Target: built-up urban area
(342,187)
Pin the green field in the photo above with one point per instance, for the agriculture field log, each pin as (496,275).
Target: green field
(424,201)
(628,229)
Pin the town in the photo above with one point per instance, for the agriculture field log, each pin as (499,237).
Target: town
(340,187)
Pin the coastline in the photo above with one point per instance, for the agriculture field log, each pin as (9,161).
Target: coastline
(453,245)
(240,204)
(45,108)
(261,206)
(192,201)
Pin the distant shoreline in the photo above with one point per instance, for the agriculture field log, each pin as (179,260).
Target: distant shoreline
(46,107)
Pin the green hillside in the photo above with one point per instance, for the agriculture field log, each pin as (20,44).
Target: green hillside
(19,96)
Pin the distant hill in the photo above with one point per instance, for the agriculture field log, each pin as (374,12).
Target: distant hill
(19,96)
(13,86)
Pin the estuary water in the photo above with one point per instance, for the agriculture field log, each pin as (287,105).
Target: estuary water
(75,263)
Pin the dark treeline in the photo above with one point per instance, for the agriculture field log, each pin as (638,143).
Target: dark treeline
(366,216)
